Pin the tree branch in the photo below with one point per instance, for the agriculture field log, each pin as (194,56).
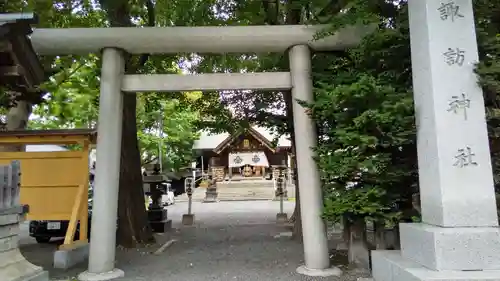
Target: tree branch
(271,17)
(149,161)
(151,22)
(330,10)
(66,75)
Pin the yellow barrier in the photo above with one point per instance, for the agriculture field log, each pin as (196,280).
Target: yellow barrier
(54,184)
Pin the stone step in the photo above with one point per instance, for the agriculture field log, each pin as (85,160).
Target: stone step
(245,193)
(244,186)
(238,191)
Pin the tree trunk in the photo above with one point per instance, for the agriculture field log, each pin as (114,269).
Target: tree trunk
(17,119)
(385,239)
(293,16)
(296,216)
(272,10)
(358,252)
(293,217)
(18,116)
(133,225)
(297,226)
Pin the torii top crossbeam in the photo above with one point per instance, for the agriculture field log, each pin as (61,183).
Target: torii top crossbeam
(208,39)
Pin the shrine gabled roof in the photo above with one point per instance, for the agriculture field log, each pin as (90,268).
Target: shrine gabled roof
(21,22)
(22,70)
(209,141)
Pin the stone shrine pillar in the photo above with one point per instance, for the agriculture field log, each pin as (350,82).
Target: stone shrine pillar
(280,174)
(458,238)
(109,139)
(13,266)
(275,169)
(316,257)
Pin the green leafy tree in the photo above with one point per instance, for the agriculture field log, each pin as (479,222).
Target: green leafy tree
(73,86)
(17,108)
(364,109)
(177,135)
(72,98)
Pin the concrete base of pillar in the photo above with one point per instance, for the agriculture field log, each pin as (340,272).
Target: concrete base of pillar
(88,276)
(23,270)
(281,218)
(391,266)
(188,219)
(211,195)
(67,258)
(451,248)
(332,271)
(161,226)
(41,276)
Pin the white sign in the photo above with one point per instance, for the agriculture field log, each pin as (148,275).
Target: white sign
(53,225)
(258,159)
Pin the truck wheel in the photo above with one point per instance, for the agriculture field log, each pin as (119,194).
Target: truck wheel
(42,240)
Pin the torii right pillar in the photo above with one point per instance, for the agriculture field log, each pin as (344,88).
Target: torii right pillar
(459,237)
(316,257)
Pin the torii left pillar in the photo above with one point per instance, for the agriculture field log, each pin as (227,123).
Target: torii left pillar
(105,208)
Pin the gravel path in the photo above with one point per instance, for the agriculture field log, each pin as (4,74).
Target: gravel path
(230,241)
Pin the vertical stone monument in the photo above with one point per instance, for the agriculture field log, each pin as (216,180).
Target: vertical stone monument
(458,238)
(281,217)
(280,177)
(189,183)
(13,266)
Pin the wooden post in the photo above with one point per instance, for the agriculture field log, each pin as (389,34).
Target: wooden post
(84,212)
(70,233)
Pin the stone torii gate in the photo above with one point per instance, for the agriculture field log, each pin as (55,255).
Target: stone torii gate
(113,42)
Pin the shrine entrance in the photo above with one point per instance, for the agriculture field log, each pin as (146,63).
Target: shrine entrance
(248,165)
(115,44)
(251,171)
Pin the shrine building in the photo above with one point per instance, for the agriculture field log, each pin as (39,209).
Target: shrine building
(250,153)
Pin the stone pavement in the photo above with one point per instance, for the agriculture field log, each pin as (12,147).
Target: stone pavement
(230,241)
